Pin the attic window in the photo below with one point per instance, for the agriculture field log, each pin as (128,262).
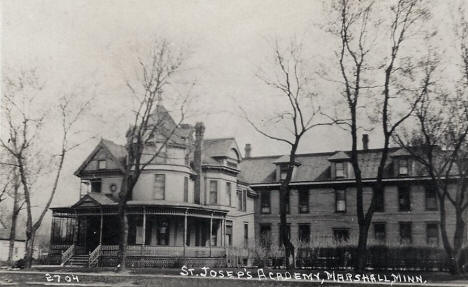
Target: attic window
(340,166)
(102,164)
(403,166)
(283,172)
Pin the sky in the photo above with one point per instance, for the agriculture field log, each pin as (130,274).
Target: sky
(92,47)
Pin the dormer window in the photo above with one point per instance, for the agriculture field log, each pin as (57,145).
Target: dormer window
(403,166)
(102,164)
(340,166)
(283,172)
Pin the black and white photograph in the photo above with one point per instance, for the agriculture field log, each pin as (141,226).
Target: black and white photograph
(234,143)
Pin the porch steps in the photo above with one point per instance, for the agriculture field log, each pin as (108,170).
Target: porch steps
(78,260)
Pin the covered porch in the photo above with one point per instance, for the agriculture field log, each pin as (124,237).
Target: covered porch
(155,230)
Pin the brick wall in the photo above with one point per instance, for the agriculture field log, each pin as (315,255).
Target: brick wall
(323,218)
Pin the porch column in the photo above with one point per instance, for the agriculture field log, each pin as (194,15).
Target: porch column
(211,230)
(144,225)
(76,223)
(185,230)
(100,229)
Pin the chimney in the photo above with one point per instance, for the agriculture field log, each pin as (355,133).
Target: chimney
(197,159)
(365,141)
(247,150)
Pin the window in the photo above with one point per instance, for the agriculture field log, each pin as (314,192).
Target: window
(163,232)
(159,186)
(228,193)
(405,233)
(431,199)
(304,201)
(213,192)
(304,233)
(340,200)
(185,189)
(102,164)
(283,172)
(339,170)
(244,200)
(432,234)
(404,201)
(341,235)
(288,233)
(96,185)
(403,166)
(380,232)
(265,235)
(246,234)
(239,200)
(265,202)
(380,200)
(229,233)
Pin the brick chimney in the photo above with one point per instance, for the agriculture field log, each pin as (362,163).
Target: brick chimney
(197,160)
(247,150)
(365,141)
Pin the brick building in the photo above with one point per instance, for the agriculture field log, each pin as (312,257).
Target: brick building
(321,206)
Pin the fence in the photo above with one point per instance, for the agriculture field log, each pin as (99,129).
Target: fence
(379,258)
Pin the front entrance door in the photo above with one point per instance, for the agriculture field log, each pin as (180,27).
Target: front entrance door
(88,234)
(93,233)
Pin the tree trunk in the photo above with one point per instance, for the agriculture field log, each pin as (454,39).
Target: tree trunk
(123,240)
(14,218)
(361,252)
(11,246)
(29,251)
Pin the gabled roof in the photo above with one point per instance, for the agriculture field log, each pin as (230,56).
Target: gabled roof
(285,159)
(97,199)
(116,151)
(339,155)
(314,167)
(400,152)
(213,148)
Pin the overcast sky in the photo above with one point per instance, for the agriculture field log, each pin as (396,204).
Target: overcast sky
(95,43)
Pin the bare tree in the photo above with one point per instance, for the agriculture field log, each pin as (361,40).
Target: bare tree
(152,127)
(292,85)
(22,141)
(439,144)
(362,34)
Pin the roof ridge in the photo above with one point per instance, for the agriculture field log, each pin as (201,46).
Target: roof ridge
(217,139)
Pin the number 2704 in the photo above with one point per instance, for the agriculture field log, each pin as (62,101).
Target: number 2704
(61,278)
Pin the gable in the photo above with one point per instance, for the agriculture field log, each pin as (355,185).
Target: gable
(101,154)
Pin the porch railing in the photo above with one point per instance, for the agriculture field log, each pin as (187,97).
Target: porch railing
(68,254)
(94,256)
(165,251)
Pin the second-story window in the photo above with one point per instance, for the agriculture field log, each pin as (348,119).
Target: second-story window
(244,200)
(340,170)
(283,172)
(96,185)
(213,192)
(340,200)
(303,201)
(185,189)
(265,202)
(403,166)
(404,201)
(228,193)
(159,186)
(380,201)
(102,164)
(431,198)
